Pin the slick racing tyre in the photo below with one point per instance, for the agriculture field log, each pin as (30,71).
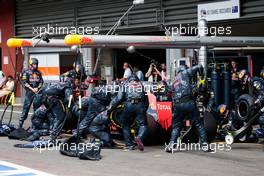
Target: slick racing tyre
(115,118)
(154,132)
(245,107)
(210,125)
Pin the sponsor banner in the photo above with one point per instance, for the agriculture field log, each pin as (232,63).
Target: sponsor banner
(164,114)
(219,10)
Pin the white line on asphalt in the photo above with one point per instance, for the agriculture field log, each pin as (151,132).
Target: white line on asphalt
(9,169)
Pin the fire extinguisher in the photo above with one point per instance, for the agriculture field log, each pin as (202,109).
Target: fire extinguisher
(215,81)
(227,86)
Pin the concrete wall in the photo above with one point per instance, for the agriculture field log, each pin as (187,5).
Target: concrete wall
(7,13)
(7,21)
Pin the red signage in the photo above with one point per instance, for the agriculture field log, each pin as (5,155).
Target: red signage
(164,114)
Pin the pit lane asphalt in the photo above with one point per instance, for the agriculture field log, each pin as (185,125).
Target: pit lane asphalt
(243,159)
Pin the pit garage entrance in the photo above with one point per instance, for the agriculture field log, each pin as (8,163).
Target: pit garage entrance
(141,58)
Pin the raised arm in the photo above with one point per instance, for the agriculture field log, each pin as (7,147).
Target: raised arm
(116,101)
(195,69)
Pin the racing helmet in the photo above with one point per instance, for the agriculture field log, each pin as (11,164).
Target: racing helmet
(78,68)
(243,74)
(262,74)
(222,110)
(69,82)
(33,61)
(257,85)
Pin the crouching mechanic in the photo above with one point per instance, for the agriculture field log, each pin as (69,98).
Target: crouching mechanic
(184,104)
(99,128)
(51,111)
(136,103)
(94,121)
(41,120)
(229,118)
(32,82)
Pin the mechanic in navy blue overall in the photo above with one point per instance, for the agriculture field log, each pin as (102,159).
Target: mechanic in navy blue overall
(136,103)
(184,105)
(259,91)
(75,73)
(50,111)
(94,121)
(96,104)
(229,118)
(246,82)
(32,82)
(204,95)
(260,78)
